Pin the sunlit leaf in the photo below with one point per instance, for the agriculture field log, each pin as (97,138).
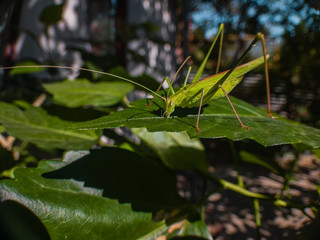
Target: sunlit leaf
(217,120)
(176,150)
(35,126)
(81,92)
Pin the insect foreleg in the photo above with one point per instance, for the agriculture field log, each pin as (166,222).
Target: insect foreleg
(149,104)
(234,110)
(171,91)
(198,117)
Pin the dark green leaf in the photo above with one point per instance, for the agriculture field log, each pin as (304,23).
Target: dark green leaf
(35,126)
(217,120)
(51,14)
(82,92)
(6,161)
(19,223)
(69,210)
(75,114)
(150,27)
(176,150)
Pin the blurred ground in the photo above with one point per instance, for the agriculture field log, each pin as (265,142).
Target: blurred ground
(230,215)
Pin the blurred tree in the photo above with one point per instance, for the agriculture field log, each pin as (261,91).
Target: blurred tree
(298,70)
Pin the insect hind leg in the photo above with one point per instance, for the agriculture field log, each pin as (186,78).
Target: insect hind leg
(264,51)
(234,110)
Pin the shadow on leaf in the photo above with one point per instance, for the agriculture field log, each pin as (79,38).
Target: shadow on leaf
(125,176)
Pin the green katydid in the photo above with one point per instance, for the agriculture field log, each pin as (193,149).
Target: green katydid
(202,91)
(199,92)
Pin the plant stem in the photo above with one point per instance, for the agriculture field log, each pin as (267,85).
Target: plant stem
(237,163)
(234,187)
(288,177)
(256,207)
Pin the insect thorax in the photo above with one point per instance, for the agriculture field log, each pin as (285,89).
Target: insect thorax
(169,108)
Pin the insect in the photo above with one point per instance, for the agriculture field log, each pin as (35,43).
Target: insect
(202,91)
(199,92)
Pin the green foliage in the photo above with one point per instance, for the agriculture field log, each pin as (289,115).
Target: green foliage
(133,189)
(297,70)
(75,211)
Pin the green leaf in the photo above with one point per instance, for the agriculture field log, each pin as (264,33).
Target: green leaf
(22,104)
(126,176)
(51,14)
(316,152)
(35,126)
(176,150)
(217,120)
(82,92)
(18,223)
(192,229)
(27,70)
(69,210)
(271,165)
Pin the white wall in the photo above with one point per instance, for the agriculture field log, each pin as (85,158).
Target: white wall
(52,49)
(161,58)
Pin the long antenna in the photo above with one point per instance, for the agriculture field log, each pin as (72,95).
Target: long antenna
(184,62)
(87,70)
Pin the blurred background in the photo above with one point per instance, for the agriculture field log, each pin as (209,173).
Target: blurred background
(151,38)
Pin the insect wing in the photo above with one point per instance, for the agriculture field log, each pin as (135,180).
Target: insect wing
(189,96)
